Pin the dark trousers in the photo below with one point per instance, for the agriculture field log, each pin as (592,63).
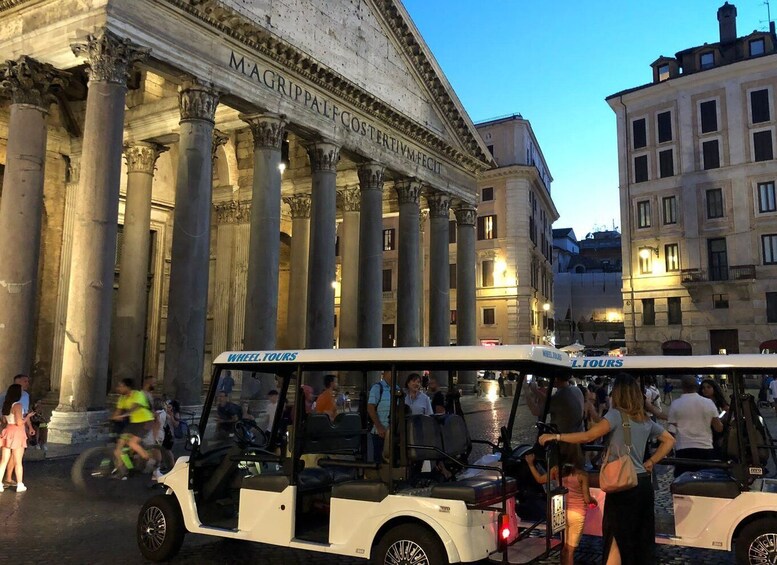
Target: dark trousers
(692,453)
(629,518)
(377,448)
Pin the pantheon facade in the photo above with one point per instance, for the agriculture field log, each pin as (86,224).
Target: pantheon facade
(184,177)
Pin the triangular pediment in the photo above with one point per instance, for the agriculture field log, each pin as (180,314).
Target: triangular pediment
(374,46)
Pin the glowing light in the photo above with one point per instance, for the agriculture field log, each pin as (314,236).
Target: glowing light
(546,306)
(282,167)
(500,266)
(493,394)
(644,253)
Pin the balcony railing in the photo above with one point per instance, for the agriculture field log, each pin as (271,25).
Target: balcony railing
(738,273)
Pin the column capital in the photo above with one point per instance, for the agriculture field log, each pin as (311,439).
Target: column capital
(371,175)
(408,190)
(351,198)
(439,204)
(268,130)
(73,169)
(423,215)
(323,156)
(197,102)
(233,212)
(141,156)
(110,57)
(466,214)
(28,81)
(219,138)
(299,204)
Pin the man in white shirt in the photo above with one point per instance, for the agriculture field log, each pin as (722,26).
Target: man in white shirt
(693,417)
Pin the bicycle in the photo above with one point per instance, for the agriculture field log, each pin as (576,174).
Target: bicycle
(95,471)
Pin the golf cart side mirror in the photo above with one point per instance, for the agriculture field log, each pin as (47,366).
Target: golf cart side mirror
(193,437)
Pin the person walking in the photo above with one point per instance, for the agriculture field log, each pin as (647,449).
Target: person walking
(379,409)
(567,407)
(694,418)
(668,387)
(13,438)
(628,525)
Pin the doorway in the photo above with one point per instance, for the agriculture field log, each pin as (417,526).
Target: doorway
(724,340)
(388,335)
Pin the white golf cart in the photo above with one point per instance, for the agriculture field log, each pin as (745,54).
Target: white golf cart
(308,482)
(731,503)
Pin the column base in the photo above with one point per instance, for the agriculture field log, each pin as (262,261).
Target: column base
(70,428)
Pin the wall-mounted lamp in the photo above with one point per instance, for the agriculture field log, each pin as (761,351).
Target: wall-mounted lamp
(500,266)
(285,161)
(546,306)
(644,252)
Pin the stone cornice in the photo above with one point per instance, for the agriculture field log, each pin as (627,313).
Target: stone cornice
(29,81)
(141,156)
(268,130)
(109,57)
(257,38)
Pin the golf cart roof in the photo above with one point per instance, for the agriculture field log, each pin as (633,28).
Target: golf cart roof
(440,358)
(677,364)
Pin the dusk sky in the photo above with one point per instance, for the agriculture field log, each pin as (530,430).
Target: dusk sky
(554,63)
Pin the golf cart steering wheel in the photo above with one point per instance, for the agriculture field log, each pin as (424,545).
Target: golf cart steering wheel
(248,434)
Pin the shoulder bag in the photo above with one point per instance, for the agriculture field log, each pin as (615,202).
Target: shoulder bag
(619,474)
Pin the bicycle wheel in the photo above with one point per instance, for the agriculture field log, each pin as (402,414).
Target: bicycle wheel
(94,471)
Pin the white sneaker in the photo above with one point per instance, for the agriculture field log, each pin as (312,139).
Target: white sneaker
(2,488)
(157,474)
(20,487)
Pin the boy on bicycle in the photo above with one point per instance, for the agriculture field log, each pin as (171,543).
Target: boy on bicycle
(134,408)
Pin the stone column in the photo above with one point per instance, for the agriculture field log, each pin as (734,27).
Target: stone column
(261,312)
(130,331)
(370,305)
(88,325)
(298,284)
(321,257)
(29,84)
(466,310)
(188,302)
(349,257)
(423,216)
(408,291)
(439,276)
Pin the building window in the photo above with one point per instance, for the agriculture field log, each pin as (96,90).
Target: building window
(640,168)
(487,227)
(666,163)
(710,154)
(709,116)
(720,301)
(674,311)
(663,73)
(489,317)
(771,307)
(639,133)
(757,47)
(487,194)
(762,145)
(648,312)
(487,273)
(389,242)
(672,257)
(769,243)
(453,317)
(387,280)
(452,274)
(645,260)
(714,203)
(759,106)
(670,210)
(706,61)
(766,197)
(664,127)
(643,214)
(717,259)
(490,149)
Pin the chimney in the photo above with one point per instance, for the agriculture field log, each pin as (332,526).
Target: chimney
(727,21)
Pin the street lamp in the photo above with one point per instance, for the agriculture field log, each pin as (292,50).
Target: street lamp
(644,252)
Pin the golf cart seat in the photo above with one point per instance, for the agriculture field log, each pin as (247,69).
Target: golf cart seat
(477,490)
(313,478)
(714,483)
(369,491)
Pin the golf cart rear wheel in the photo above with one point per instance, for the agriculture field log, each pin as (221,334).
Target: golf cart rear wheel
(160,529)
(409,543)
(757,543)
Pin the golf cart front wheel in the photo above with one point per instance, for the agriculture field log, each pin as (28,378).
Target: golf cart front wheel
(757,543)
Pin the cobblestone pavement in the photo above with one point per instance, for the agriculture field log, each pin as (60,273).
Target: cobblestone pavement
(53,523)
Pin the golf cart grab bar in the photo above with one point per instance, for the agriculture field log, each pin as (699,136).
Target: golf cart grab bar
(457,462)
(701,463)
